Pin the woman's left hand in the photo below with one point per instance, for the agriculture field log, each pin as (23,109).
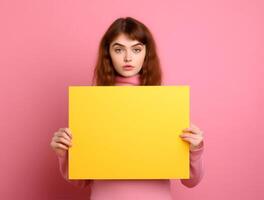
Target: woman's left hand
(193,135)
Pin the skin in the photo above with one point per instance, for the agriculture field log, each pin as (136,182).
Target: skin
(62,139)
(193,135)
(124,51)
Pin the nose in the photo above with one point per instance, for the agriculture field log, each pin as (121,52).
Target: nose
(127,57)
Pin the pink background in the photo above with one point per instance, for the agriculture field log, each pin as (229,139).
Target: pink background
(216,47)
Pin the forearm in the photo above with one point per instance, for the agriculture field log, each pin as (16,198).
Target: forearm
(63,166)
(196,168)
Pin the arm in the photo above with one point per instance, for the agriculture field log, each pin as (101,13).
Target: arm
(63,165)
(196,167)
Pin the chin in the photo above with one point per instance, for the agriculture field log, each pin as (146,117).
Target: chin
(128,74)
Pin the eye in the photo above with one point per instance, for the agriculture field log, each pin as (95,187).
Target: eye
(137,50)
(118,50)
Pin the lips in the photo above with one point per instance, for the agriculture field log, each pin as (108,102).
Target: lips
(128,67)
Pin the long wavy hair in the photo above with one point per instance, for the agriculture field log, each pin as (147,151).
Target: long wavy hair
(104,72)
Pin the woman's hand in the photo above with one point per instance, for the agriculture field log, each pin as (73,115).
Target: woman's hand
(61,141)
(194,136)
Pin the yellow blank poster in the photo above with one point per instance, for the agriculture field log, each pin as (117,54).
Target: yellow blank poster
(128,132)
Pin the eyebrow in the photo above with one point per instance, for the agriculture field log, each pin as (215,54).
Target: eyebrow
(116,43)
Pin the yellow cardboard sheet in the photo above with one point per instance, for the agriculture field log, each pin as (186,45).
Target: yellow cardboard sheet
(128,132)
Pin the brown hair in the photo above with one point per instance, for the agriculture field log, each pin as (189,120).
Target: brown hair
(104,72)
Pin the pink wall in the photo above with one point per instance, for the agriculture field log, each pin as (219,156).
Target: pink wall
(216,47)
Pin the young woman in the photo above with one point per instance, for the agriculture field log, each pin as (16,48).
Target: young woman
(127,56)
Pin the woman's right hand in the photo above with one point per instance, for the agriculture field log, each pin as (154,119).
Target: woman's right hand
(61,141)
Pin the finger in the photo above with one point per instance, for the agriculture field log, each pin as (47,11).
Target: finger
(189,129)
(189,135)
(56,145)
(63,141)
(69,132)
(193,130)
(60,146)
(66,130)
(190,140)
(63,134)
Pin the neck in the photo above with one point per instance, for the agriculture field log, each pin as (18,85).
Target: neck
(131,80)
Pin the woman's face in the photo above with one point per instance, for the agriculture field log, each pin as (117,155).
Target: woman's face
(124,51)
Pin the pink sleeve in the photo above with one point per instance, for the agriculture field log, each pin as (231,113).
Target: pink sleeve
(196,167)
(63,165)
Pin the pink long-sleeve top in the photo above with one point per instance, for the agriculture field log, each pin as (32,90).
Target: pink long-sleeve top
(135,189)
